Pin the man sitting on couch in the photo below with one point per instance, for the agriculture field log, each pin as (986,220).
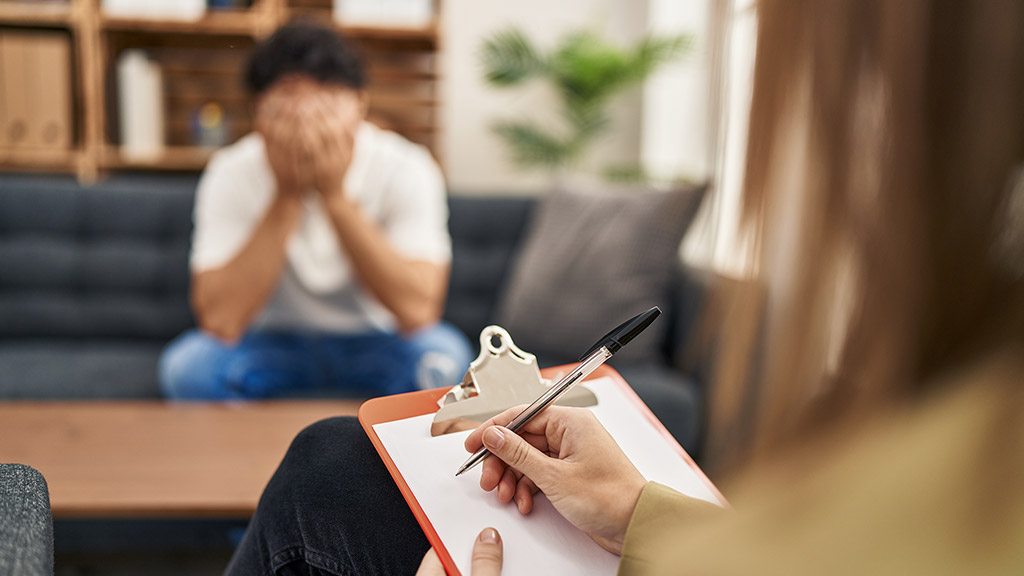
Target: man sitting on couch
(320,253)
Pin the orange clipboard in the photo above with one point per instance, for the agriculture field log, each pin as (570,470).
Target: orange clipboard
(411,404)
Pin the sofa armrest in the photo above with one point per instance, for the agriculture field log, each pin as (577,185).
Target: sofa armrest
(26,525)
(687,346)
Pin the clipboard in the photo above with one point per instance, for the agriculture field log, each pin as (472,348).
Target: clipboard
(403,406)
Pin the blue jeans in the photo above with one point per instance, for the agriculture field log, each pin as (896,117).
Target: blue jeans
(196,366)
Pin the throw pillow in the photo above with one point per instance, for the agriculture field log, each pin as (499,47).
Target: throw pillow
(591,260)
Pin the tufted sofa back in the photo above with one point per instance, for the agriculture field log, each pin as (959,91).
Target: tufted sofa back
(107,261)
(111,260)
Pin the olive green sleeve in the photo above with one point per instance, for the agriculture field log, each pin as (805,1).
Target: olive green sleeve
(660,513)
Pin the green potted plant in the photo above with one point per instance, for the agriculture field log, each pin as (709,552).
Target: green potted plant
(586,72)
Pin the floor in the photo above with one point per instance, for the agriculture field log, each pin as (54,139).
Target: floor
(182,547)
(135,564)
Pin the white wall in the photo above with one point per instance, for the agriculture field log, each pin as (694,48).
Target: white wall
(475,160)
(676,113)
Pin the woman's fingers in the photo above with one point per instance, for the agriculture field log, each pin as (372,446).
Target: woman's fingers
(431,565)
(547,424)
(525,490)
(493,469)
(507,486)
(474,440)
(487,554)
(486,559)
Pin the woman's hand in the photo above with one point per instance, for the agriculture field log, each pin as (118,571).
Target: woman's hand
(571,458)
(486,557)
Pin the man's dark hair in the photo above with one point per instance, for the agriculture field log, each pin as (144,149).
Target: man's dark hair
(306,48)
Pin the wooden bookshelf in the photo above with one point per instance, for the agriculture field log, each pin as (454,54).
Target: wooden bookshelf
(239,22)
(201,62)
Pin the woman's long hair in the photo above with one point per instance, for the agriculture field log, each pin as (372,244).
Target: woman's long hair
(884,135)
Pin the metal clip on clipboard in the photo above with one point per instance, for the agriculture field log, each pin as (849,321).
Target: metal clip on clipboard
(501,377)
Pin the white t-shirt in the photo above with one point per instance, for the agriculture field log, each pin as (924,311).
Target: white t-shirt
(395,183)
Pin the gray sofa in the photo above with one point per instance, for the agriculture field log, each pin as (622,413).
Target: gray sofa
(94,282)
(26,527)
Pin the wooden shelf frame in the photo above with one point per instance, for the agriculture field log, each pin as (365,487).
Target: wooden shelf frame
(228,23)
(40,159)
(48,14)
(93,153)
(429,33)
(173,158)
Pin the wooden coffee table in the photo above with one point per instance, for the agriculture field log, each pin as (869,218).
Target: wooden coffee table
(156,459)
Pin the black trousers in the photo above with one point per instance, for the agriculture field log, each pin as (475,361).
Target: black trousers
(331,508)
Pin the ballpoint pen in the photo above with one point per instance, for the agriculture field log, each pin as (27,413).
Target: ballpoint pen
(600,352)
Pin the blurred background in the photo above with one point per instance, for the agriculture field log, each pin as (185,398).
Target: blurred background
(96,87)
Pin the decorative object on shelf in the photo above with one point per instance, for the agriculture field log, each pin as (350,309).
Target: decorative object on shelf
(586,72)
(155,9)
(228,4)
(209,126)
(140,106)
(384,13)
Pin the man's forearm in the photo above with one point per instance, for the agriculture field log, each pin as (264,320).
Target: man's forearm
(226,299)
(413,291)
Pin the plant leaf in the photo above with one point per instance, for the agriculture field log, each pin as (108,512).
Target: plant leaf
(587,69)
(587,121)
(509,58)
(654,51)
(531,146)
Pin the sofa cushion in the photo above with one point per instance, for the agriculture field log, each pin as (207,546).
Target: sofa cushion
(592,259)
(74,369)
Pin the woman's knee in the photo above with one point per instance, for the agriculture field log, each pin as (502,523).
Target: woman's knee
(327,464)
(325,437)
(332,493)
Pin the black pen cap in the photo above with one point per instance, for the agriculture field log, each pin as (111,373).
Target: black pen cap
(624,333)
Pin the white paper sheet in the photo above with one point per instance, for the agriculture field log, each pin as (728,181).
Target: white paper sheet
(541,542)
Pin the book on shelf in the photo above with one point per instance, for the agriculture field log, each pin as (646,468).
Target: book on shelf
(155,9)
(384,13)
(140,106)
(35,90)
